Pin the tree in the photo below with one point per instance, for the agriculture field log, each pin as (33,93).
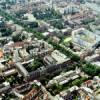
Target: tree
(55,89)
(84,79)
(77,82)
(75,58)
(33,24)
(57,24)
(90,69)
(6,32)
(37,63)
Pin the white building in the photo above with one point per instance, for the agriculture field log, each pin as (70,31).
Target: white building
(58,56)
(84,38)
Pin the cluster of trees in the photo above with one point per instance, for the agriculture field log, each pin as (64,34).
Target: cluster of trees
(6,32)
(57,24)
(55,89)
(12,80)
(37,63)
(47,14)
(91,70)
(20,13)
(78,82)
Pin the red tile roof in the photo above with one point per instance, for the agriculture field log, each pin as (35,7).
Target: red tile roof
(18,44)
(1,54)
(88,82)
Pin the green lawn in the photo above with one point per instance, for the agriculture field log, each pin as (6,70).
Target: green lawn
(68,39)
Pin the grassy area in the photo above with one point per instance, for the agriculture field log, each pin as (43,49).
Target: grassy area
(68,39)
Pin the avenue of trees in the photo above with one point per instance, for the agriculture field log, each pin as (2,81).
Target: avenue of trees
(88,68)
